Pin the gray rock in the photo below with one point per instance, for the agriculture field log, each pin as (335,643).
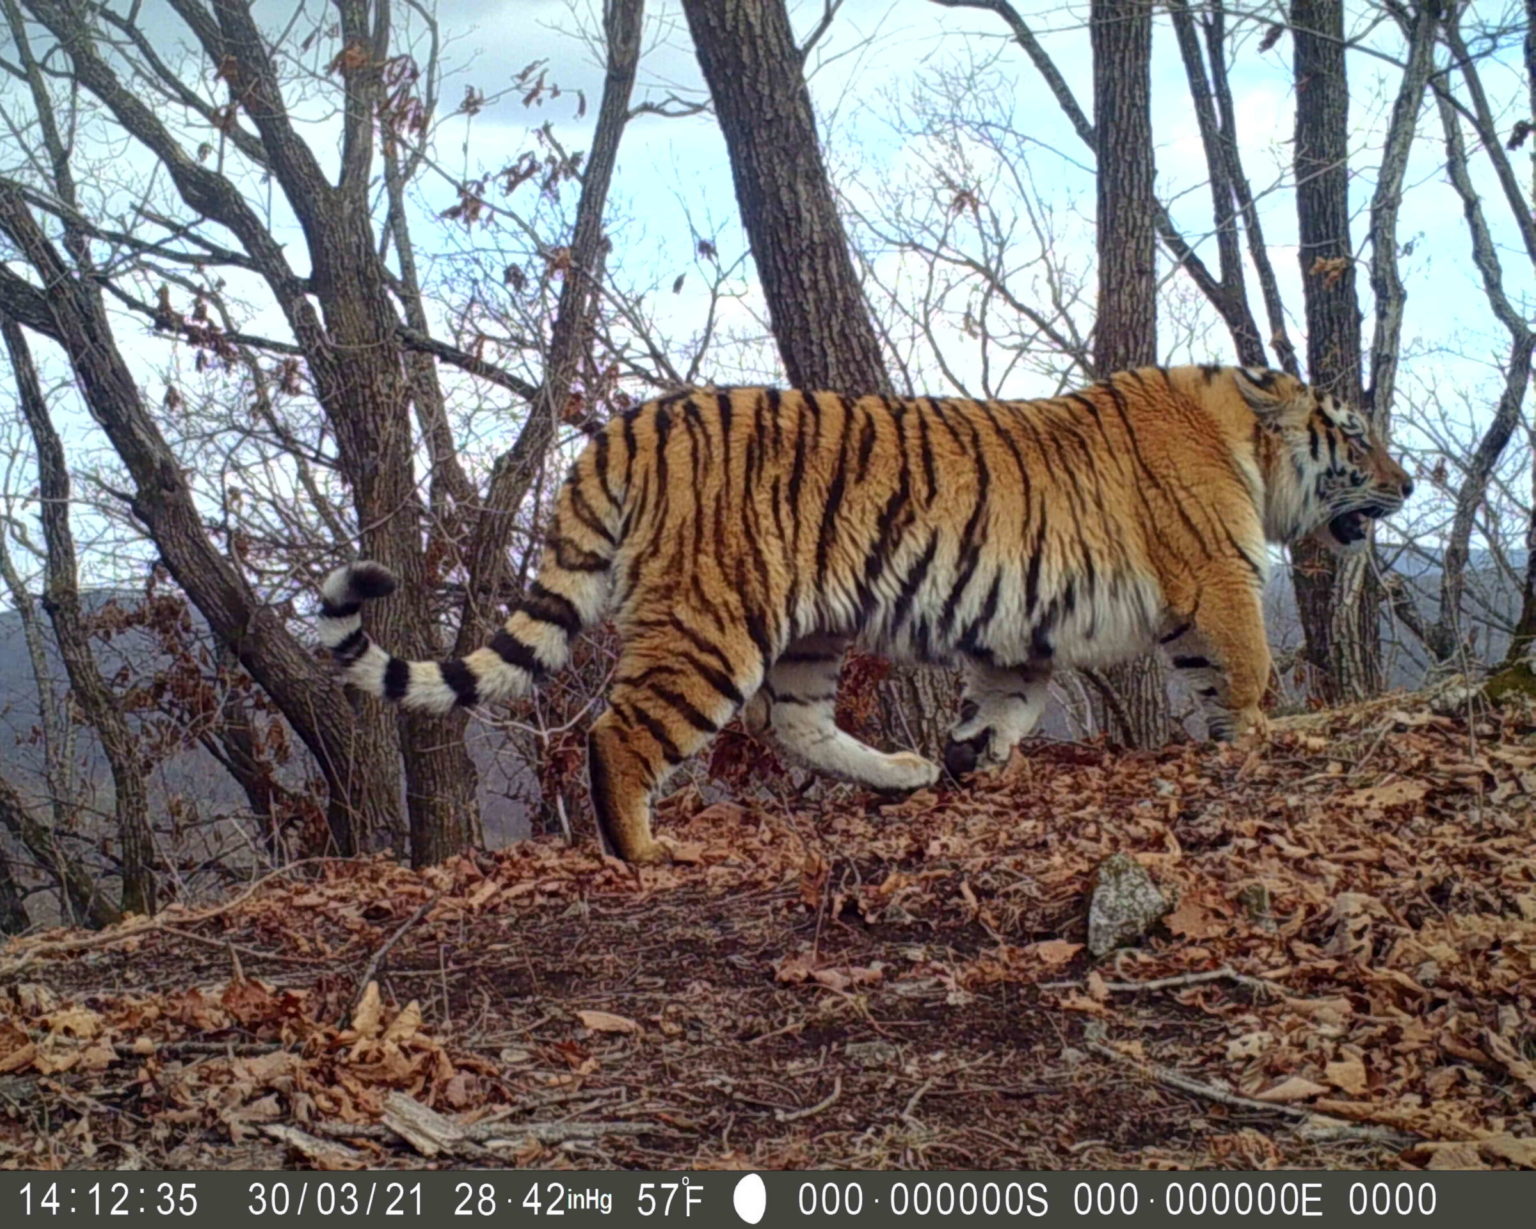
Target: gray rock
(1125,904)
(872,1053)
(1254,898)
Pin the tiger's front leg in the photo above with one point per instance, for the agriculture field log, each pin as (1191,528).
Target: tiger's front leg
(1224,657)
(1000,706)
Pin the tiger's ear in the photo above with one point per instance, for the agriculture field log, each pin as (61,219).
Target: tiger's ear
(1273,396)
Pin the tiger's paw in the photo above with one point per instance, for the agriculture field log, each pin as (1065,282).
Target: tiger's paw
(904,771)
(651,852)
(1253,728)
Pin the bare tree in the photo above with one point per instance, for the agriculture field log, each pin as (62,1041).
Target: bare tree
(1125,328)
(572,333)
(755,73)
(61,599)
(359,347)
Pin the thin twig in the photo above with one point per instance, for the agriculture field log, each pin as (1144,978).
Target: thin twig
(218,1049)
(910,1109)
(253,953)
(480,1132)
(1180,980)
(796,1115)
(378,956)
(1184,1083)
(1313,1120)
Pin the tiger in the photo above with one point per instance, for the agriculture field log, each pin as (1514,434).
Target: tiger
(743,538)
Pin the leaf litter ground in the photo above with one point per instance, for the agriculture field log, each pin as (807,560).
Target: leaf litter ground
(1346,979)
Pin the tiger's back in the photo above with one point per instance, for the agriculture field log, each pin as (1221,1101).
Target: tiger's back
(929,527)
(742,538)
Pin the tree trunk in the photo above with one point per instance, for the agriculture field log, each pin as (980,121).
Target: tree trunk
(13,904)
(359,770)
(1522,642)
(355,357)
(820,318)
(1336,601)
(1125,332)
(61,600)
(80,896)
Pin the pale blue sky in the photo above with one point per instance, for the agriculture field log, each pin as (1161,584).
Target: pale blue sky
(878,57)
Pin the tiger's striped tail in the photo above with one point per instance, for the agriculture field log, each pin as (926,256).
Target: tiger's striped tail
(571,593)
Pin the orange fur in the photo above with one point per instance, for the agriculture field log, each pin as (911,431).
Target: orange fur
(742,538)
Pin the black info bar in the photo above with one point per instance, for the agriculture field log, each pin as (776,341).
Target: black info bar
(715,1198)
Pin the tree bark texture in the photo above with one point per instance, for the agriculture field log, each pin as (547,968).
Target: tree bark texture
(1125,330)
(1338,611)
(820,317)
(1522,643)
(13,904)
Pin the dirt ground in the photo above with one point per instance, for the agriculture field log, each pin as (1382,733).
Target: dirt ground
(1345,979)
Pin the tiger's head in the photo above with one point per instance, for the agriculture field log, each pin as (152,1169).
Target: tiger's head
(1327,473)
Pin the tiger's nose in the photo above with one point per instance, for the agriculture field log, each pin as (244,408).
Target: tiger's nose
(1407,487)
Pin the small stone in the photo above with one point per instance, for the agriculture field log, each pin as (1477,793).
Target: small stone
(1255,902)
(1126,903)
(872,1053)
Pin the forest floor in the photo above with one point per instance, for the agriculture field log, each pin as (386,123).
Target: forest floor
(1348,979)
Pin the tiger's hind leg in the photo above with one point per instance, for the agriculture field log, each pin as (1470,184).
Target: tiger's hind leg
(796,708)
(1001,706)
(669,698)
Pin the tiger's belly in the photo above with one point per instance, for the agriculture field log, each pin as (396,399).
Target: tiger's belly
(1115,622)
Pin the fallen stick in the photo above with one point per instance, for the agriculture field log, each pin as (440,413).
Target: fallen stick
(1184,1083)
(796,1115)
(322,1151)
(544,1132)
(1178,981)
(384,950)
(1308,1121)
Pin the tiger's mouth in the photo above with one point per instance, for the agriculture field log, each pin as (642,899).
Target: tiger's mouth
(1349,528)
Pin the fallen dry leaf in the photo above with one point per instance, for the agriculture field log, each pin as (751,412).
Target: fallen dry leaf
(1347,1074)
(1392,794)
(1293,1088)
(406,1025)
(368,1019)
(1463,1154)
(1196,919)
(1054,951)
(607,1022)
(1520,1152)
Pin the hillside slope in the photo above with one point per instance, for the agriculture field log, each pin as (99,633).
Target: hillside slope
(1348,979)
